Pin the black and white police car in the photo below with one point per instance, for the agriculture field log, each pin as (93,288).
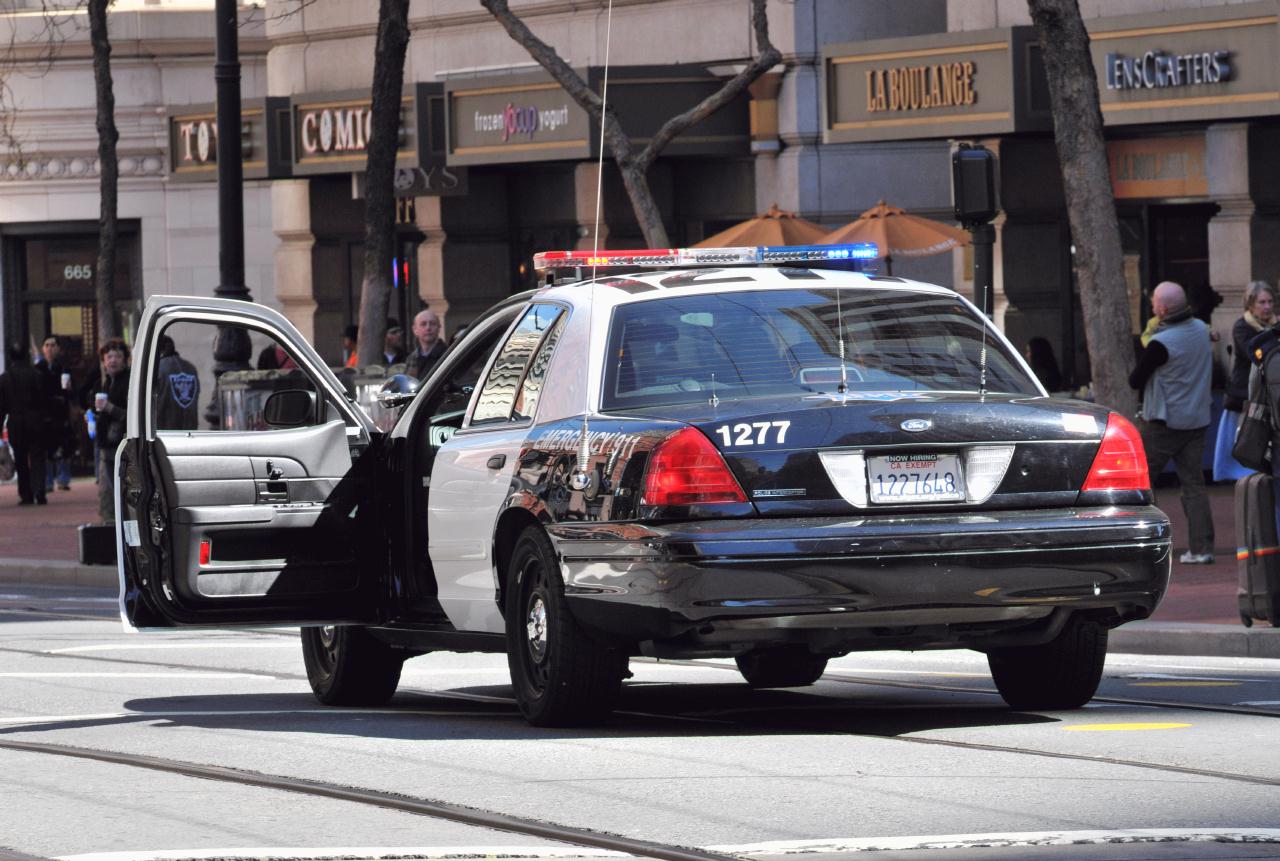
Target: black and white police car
(693,453)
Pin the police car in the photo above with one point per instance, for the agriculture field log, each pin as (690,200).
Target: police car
(680,453)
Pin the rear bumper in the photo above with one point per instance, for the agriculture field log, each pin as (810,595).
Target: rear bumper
(873,582)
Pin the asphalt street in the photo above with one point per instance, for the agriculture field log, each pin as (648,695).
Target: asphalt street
(888,751)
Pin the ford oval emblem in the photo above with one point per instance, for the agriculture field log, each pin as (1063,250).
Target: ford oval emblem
(916,425)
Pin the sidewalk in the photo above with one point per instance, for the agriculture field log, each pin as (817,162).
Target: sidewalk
(39,544)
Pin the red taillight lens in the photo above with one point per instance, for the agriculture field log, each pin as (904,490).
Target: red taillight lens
(686,469)
(1121,461)
(206,552)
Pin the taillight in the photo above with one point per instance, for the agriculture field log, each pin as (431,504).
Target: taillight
(1121,461)
(206,551)
(686,469)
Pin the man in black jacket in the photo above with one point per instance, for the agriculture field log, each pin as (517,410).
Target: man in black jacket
(62,444)
(429,345)
(24,401)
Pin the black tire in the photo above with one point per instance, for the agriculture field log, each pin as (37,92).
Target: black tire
(561,676)
(781,667)
(1061,674)
(346,666)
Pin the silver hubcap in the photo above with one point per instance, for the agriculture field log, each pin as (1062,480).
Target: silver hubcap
(536,629)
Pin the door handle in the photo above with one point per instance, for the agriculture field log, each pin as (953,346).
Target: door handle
(498,461)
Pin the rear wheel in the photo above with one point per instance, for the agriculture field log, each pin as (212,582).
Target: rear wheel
(561,676)
(1061,674)
(346,666)
(782,667)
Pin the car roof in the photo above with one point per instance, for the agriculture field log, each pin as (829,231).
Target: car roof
(607,291)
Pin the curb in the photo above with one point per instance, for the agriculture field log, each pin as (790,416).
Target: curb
(55,572)
(1195,638)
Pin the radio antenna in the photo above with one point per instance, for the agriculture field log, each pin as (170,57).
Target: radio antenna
(582,477)
(844,371)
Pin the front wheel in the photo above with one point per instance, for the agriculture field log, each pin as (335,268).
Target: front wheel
(1061,674)
(346,666)
(561,676)
(781,667)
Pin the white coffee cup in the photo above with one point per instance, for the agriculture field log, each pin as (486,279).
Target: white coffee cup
(99,400)
(66,381)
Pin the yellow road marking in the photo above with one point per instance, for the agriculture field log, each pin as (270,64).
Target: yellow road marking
(1122,727)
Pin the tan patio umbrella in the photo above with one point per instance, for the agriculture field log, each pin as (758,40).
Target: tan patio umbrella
(898,234)
(775,227)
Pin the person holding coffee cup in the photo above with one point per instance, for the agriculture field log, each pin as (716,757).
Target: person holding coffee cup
(62,442)
(107,394)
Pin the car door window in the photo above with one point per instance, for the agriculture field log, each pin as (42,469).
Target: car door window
(185,394)
(497,399)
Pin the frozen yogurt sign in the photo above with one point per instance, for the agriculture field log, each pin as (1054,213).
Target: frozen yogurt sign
(522,121)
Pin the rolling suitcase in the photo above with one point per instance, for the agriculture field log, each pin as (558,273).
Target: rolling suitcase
(1258,556)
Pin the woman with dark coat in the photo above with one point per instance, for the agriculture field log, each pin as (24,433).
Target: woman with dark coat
(1259,315)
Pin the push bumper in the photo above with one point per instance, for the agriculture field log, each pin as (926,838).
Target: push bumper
(873,582)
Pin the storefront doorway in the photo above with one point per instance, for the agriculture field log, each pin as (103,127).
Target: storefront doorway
(49,277)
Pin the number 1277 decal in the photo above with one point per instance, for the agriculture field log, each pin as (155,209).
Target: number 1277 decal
(755,433)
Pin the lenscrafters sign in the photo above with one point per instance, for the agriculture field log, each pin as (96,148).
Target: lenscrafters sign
(1156,69)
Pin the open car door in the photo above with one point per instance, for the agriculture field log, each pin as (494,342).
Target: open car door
(267,517)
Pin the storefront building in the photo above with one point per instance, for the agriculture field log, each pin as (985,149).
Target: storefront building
(49,188)
(1191,107)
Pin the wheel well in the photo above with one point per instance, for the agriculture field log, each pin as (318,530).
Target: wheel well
(512,522)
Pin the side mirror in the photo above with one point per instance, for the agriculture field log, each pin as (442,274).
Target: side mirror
(397,391)
(289,408)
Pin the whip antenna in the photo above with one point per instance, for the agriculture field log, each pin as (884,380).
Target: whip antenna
(583,479)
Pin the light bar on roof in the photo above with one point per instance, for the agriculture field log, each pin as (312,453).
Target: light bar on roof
(664,258)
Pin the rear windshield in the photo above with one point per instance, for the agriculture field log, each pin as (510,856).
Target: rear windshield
(767,343)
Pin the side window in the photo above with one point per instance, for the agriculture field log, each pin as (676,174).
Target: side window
(497,399)
(182,382)
(531,389)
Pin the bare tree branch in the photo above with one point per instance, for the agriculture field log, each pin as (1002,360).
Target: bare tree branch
(768,57)
(634,167)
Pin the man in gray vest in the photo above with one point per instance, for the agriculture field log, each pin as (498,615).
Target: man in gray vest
(1174,374)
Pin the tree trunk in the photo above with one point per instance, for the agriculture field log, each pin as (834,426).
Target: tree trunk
(109,180)
(635,166)
(384,141)
(1091,209)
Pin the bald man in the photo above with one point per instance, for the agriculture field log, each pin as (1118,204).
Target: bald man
(429,346)
(1175,374)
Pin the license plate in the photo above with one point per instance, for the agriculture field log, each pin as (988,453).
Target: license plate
(901,478)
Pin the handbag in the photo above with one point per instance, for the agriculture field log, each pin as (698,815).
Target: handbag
(7,465)
(1252,448)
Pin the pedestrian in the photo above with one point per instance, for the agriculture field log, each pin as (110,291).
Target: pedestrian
(350,346)
(274,358)
(176,390)
(1039,355)
(393,346)
(1174,375)
(24,402)
(62,444)
(430,346)
(110,404)
(1259,315)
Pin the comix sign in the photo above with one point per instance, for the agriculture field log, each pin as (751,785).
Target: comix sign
(1156,69)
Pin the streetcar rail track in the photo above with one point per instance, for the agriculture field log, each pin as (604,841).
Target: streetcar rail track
(461,814)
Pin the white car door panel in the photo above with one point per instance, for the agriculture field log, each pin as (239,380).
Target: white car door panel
(467,494)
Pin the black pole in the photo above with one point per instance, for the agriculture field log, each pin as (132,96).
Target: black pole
(226,76)
(984,240)
(232,348)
